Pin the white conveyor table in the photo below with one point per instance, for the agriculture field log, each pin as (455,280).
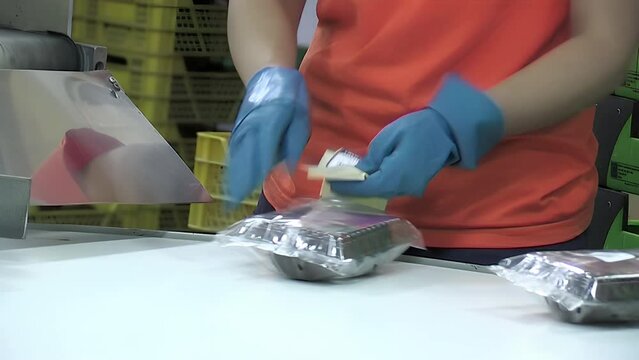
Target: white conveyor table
(107,294)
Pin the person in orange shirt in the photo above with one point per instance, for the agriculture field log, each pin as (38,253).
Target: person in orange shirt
(473,117)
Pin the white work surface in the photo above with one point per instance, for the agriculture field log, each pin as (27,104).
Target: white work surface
(162,298)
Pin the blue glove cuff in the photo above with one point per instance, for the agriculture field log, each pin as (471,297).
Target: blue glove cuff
(475,120)
(273,84)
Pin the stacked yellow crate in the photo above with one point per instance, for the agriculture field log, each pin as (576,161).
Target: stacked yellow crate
(172,59)
(210,156)
(170,56)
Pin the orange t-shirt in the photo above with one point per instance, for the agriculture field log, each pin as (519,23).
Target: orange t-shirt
(372,61)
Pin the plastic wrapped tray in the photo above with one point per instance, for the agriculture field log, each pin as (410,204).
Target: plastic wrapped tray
(325,240)
(580,286)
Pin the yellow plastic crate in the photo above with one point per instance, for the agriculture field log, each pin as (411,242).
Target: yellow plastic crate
(169,131)
(213,217)
(158,117)
(171,15)
(185,147)
(212,147)
(175,217)
(153,64)
(164,113)
(153,85)
(148,217)
(128,39)
(196,85)
(210,163)
(134,216)
(168,65)
(211,175)
(152,217)
(210,157)
(165,3)
(190,85)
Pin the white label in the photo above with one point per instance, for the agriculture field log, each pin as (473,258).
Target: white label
(343,158)
(337,173)
(337,166)
(612,256)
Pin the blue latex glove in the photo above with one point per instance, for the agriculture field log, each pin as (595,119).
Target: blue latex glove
(272,126)
(458,128)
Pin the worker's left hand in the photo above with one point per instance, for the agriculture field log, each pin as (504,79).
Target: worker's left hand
(459,127)
(404,157)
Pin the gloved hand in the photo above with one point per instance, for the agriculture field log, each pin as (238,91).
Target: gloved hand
(272,126)
(460,126)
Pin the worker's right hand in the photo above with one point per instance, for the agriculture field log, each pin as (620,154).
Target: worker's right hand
(272,126)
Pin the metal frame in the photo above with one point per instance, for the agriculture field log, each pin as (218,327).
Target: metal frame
(445,264)
(210,238)
(122,231)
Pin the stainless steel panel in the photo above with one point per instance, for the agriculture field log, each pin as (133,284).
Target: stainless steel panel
(81,140)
